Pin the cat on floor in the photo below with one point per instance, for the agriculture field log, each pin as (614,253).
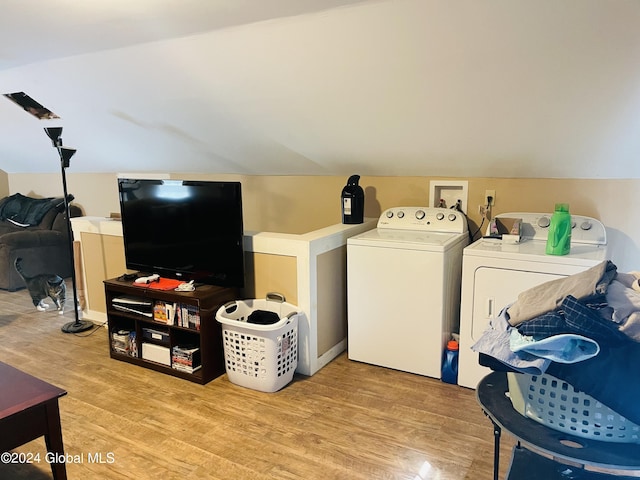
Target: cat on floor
(42,286)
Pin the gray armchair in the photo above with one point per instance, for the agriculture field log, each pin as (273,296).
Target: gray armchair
(36,230)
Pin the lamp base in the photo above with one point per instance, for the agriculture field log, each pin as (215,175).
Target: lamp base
(78,326)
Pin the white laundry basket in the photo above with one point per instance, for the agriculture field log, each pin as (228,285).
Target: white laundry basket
(260,357)
(558,405)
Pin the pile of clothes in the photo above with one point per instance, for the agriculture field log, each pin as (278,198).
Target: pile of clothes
(583,329)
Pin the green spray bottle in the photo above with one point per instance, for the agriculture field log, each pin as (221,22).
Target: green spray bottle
(559,237)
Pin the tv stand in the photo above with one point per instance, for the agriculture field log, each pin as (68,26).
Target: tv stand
(150,342)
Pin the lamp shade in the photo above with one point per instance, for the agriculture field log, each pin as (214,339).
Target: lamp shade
(54,133)
(66,154)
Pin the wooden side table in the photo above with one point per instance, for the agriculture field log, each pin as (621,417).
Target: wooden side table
(559,450)
(28,410)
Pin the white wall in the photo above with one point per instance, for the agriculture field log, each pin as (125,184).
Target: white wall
(463,88)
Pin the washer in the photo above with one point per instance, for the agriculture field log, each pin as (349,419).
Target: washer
(403,288)
(494,273)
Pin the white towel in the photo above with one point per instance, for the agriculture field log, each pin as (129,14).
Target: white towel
(631,326)
(629,280)
(623,300)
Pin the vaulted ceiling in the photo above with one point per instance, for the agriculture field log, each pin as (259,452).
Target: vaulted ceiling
(463,88)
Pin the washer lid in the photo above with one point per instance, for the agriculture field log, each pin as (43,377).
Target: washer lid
(380,237)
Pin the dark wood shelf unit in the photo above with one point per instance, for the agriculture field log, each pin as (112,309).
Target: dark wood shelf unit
(206,298)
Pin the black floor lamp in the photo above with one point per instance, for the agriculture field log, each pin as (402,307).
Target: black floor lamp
(55,134)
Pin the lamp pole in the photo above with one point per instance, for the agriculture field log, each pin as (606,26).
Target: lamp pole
(54,133)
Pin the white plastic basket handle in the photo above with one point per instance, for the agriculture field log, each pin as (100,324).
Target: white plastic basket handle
(275,297)
(231,306)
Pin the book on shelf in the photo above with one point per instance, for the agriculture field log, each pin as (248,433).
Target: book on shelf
(121,342)
(185,358)
(160,311)
(124,342)
(164,312)
(189,316)
(184,368)
(133,344)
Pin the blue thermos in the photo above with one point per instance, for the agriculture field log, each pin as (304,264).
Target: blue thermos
(450,362)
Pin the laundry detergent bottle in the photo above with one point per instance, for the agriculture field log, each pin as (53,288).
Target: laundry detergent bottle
(352,201)
(559,237)
(450,362)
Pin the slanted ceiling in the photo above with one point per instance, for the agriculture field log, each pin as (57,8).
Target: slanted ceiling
(462,88)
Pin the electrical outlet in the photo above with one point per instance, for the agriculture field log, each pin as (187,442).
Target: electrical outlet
(492,194)
(482,210)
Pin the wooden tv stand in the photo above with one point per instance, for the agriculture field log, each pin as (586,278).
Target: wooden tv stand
(161,337)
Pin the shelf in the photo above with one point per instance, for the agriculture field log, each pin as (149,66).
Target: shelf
(205,300)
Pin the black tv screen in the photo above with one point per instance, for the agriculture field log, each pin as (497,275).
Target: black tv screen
(187,230)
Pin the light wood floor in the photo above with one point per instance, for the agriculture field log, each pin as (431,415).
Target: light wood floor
(348,421)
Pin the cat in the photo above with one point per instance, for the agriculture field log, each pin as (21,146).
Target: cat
(42,286)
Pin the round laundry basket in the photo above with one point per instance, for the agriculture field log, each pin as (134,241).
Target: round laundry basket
(260,357)
(559,406)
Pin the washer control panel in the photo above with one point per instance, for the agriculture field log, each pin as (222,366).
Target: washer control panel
(430,219)
(535,226)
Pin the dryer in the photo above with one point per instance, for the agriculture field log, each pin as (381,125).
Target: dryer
(494,273)
(403,288)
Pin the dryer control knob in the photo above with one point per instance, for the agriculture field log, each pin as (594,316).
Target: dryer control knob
(440,216)
(389,214)
(452,217)
(400,214)
(543,222)
(586,225)
(420,214)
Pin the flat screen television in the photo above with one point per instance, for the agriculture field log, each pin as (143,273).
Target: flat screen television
(187,230)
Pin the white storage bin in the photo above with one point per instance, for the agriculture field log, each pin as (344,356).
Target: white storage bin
(260,357)
(156,353)
(556,404)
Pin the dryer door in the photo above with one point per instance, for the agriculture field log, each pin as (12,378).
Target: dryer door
(496,288)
